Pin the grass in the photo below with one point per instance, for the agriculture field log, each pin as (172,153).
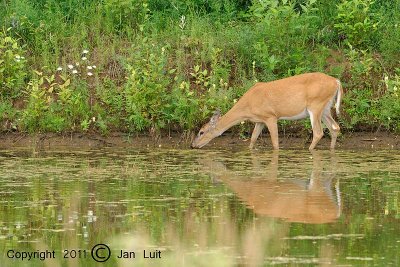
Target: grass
(164,65)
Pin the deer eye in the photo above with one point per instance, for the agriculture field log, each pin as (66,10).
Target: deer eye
(201,133)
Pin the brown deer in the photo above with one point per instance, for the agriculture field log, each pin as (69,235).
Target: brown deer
(293,98)
(293,200)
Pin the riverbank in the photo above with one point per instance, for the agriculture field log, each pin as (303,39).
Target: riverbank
(50,141)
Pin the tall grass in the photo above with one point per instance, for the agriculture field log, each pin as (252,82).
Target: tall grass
(169,64)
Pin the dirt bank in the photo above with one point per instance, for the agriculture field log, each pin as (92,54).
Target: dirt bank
(87,141)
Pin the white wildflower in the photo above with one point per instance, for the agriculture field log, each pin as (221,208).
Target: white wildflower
(93,119)
(84,58)
(386,78)
(94,66)
(59,69)
(89,74)
(74,71)
(70,66)
(22,57)
(182,22)
(89,67)
(17,56)
(77,64)
(85,51)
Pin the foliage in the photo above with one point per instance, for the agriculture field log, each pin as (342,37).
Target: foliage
(12,67)
(183,106)
(127,14)
(7,115)
(276,20)
(38,103)
(390,102)
(146,88)
(356,22)
(170,64)
(59,100)
(156,97)
(359,105)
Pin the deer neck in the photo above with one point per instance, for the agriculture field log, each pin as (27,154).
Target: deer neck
(231,118)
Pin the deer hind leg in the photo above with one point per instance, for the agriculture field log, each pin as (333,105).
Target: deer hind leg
(256,133)
(332,125)
(272,125)
(315,117)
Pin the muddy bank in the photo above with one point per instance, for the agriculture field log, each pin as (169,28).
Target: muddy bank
(87,141)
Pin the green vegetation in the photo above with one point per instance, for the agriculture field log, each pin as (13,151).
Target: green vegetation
(167,65)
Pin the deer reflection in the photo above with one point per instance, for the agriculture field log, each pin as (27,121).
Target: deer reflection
(314,200)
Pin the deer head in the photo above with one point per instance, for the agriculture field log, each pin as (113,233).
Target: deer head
(208,131)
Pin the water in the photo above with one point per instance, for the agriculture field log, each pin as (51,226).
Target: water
(200,207)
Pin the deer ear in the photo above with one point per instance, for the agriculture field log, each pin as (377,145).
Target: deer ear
(214,119)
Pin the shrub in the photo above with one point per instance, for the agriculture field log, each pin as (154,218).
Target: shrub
(390,44)
(147,88)
(60,100)
(356,22)
(7,115)
(127,14)
(12,67)
(285,35)
(389,103)
(38,99)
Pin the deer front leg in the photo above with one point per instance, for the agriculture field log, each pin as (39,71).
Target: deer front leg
(272,124)
(256,133)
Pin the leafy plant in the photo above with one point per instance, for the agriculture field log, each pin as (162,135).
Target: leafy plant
(360,107)
(12,67)
(126,14)
(355,21)
(183,106)
(146,88)
(7,115)
(38,98)
(200,76)
(286,34)
(57,101)
(390,102)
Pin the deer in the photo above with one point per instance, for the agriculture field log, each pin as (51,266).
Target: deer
(292,98)
(264,191)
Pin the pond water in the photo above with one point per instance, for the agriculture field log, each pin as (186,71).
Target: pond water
(162,207)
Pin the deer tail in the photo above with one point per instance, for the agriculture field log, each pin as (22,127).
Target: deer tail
(339,95)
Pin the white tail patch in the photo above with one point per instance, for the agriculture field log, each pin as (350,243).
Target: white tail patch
(338,97)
